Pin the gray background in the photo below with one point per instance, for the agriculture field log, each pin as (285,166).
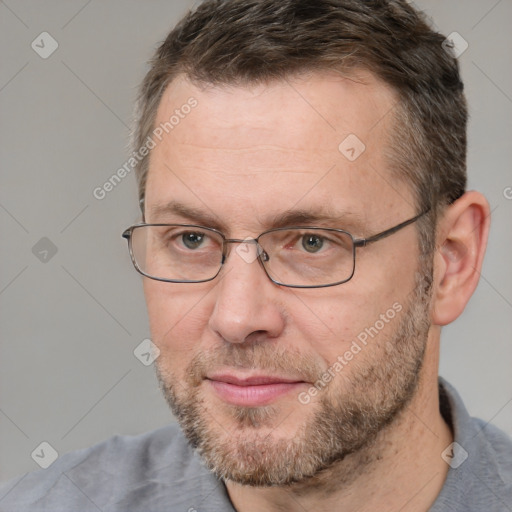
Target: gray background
(69,324)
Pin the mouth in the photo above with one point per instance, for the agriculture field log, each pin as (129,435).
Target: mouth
(253,390)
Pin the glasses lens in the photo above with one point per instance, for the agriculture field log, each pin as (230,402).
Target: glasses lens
(309,256)
(177,253)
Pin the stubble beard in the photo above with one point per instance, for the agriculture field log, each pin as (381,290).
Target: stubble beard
(377,385)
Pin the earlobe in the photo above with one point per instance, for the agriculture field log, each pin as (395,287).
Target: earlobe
(462,238)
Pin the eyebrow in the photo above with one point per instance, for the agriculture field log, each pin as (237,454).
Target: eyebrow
(321,217)
(193,214)
(297,217)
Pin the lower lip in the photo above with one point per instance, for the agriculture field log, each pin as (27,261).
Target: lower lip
(253,395)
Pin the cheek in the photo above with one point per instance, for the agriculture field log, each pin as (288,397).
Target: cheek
(177,318)
(329,324)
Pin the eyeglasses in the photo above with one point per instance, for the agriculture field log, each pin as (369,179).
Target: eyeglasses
(296,257)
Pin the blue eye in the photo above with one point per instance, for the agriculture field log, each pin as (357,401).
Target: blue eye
(312,243)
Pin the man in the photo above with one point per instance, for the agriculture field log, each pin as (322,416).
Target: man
(306,233)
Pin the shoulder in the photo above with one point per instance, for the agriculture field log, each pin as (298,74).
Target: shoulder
(494,450)
(480,460)
(123,473)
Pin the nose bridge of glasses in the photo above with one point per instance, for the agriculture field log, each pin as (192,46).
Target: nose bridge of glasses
(249,249)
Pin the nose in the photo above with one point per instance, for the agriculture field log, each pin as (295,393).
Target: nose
(246,305)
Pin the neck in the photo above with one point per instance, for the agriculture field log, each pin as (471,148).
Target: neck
(401,470)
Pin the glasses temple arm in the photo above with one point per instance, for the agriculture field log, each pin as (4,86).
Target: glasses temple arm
(361,242)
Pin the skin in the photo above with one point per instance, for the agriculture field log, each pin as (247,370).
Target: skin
(246,155)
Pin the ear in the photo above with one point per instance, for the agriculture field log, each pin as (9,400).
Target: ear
(461,241)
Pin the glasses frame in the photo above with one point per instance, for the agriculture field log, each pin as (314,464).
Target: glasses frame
(356,242)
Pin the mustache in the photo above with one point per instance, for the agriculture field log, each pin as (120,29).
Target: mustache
(272,360)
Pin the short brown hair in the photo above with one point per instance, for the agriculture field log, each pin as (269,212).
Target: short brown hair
(249,41)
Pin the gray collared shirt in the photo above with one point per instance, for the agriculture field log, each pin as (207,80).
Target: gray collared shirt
(158,471)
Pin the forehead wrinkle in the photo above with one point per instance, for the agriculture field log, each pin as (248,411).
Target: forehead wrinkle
(250,173)
(255,155)
(252,147)
(247,160)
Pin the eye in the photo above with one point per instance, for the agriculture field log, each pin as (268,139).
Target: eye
(192,240)
(312,243)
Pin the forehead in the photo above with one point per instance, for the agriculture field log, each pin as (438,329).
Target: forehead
(306,142)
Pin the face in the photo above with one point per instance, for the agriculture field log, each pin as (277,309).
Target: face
(273,384)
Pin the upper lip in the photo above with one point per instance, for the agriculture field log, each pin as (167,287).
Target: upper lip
(253,380)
